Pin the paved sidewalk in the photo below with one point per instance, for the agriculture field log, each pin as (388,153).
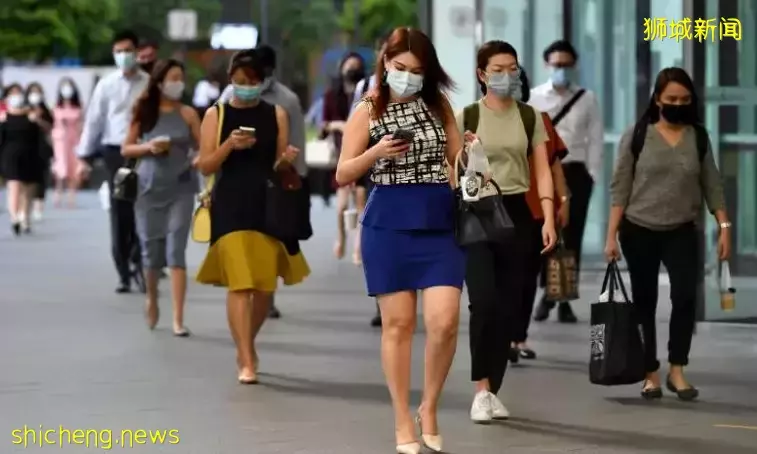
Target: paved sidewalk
(73,353)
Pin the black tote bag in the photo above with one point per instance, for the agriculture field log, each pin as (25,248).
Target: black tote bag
(617,348)
(485,220)
(283,203)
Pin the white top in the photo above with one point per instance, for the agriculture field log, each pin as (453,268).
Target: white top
(581,129)
(360,90)
(110,109)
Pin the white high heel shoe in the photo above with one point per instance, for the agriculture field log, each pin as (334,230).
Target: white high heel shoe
(432,442)
(409,448)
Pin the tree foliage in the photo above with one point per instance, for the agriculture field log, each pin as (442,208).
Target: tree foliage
(378,17)
(40,29)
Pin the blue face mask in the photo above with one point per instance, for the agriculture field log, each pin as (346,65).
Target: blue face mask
(125,60)
(504,85)
(247,93)
(404,83)
(561,77)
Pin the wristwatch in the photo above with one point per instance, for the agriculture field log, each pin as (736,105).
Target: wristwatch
(725,225)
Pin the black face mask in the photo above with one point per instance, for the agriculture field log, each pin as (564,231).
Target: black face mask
(148,66)
(678,114)
(353,75)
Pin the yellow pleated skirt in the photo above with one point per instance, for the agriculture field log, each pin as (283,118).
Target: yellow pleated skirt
(250,260)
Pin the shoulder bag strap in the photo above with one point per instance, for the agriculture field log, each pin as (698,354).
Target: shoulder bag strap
(566,108)
(212,178)
(528,117)
(471,115)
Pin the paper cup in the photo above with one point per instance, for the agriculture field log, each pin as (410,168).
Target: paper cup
(728,300)
(350,219)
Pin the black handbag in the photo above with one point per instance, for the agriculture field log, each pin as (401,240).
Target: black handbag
(617,346)
(126,183)
(283,204)
(485,220)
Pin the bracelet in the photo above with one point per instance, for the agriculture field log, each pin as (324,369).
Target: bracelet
(725,225)
(546,198)
(564,198)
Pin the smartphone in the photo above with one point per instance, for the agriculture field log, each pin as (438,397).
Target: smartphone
(247,130)
(404,134)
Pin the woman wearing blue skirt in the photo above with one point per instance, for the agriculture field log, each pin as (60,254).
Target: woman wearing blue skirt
(404,133)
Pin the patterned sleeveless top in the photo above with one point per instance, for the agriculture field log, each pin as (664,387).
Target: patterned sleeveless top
(424,162)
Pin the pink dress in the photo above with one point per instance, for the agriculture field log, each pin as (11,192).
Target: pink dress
(66,131)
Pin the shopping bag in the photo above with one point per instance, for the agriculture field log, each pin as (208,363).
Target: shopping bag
(617,346)
(561,274)
(727,291)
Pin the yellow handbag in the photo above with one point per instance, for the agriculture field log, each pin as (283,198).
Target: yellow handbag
(201,216)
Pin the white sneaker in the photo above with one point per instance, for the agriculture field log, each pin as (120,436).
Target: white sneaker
(498,409)
(481,410)
(37,215)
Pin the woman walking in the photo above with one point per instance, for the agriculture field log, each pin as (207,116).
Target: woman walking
(244,256)
(408,241)
(162,135)
(511,132)
(665,167)
(67,127)
(337,103)
(40,114)
(20,163)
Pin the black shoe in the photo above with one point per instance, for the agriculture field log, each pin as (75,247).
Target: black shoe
(273,312)
(163,274)
(686,395)
(650,393)
(138,276)
(514,355)
(565,313)
(526,353)
(123,288)
(376,320)
(543,310)
(16,227)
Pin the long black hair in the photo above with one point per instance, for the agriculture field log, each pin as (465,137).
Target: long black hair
(344,99)
(664,77)
(74,99)
(147,109)
(46,114)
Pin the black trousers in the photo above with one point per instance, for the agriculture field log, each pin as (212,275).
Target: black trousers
(494,277)
(581,184)
(532,266)
(123,233)
(678,250)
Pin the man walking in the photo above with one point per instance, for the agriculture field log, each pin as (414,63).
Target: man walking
(105,126)
(274,92)
(575,114)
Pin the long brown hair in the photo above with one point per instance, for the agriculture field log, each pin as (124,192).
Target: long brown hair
(435,79)
(147,109)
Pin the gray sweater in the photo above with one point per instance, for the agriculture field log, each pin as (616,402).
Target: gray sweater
(669,183)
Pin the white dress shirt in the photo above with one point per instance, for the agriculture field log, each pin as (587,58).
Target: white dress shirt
(110,110)
(581,129)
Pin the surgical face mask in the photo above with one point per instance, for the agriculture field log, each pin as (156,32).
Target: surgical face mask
(504,84)
(247,93)
(561,77)
(35,99)
(173,90)
(404,83)
(353,75)
(678,114)
(15,101)
(67,91)
(125,60)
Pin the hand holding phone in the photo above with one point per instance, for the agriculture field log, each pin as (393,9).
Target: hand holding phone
(248,130)
(405,135)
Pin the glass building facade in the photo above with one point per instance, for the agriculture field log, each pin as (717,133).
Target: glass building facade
(620,65)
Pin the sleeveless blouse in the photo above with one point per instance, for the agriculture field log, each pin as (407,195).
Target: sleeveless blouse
(411,191)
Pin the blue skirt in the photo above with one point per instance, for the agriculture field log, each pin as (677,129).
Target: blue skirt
(408,241)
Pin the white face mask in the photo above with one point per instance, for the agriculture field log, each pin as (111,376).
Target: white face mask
(125,60)
(173,90)
(404,83)
(35,99)
(67,91)
(15,101)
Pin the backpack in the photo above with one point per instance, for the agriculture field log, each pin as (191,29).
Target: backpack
(640,135)
(471,114)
